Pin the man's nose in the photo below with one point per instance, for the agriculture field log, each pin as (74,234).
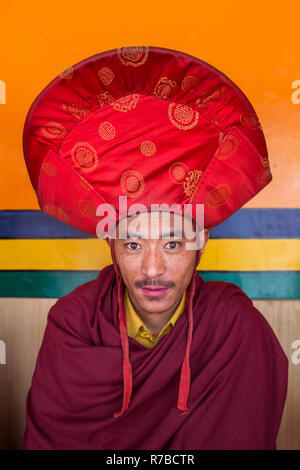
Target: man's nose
(153,263)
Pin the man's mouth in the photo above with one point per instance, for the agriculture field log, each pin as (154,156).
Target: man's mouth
(155,291)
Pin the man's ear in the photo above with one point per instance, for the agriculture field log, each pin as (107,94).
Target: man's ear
(206,237)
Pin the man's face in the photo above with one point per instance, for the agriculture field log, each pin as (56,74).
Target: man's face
(156,270)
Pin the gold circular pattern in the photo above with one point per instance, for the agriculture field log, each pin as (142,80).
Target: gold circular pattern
(264,176)
(106,75)
(218,196)
(164,88)
(228,147)
(134,56)
(67,74)
(178,172)
(56,212)
(49,168)
(84,155)
(182,116)
(148,148)
(132,183)
(87,209)
(54,130)
(189,82)
(249,120)
(107,131)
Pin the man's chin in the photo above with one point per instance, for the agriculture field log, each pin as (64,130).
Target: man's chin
(155,302)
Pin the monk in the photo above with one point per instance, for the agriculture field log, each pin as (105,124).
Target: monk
(150,356)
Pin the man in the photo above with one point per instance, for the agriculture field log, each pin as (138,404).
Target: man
(149,355)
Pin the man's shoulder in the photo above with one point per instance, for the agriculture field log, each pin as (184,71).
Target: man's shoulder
(220,292)
(231,320)
(228,306)
(82,300)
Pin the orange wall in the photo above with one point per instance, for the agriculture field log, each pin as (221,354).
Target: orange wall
(257,44)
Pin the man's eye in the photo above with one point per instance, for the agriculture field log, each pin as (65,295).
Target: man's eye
(132,245)
(172,245)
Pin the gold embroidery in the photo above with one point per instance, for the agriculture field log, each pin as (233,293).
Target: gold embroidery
(249,120)
(132,183)
(178,172)
(164,88)
(227,148)
(134,56)
(107,131)
(106,75)
(49,168)
(84,155)
(218,195)
(264,161)
(87,209)
(203,101)
(126,103)
(57,212)
(264,176)
(105,98)
(191,182)
(148,148)
(182,116)
(54,130)
(189,82)
(67,74)
(79,112)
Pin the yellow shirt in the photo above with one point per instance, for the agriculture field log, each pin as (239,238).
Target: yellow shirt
(136,328)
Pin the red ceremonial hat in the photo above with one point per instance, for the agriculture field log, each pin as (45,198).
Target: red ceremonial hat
(153,124)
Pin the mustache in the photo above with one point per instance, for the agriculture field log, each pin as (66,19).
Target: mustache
(153,283)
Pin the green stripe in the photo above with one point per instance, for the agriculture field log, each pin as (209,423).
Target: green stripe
(275,285)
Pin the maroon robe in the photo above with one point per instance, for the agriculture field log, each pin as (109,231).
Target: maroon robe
(238,379)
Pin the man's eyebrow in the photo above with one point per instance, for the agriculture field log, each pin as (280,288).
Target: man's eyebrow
(125,235)
(168,234)
(173,234)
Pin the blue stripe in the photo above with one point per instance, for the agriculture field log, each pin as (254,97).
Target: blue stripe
(260,223)
(245,223)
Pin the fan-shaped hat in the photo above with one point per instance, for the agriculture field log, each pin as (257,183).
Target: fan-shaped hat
(153,124)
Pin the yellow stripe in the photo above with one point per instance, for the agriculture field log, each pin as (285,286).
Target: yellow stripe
(251,255)
(94,254)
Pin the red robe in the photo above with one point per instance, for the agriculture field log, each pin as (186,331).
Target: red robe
(238,381)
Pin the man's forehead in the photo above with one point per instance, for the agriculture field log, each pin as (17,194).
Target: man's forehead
(155,224)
